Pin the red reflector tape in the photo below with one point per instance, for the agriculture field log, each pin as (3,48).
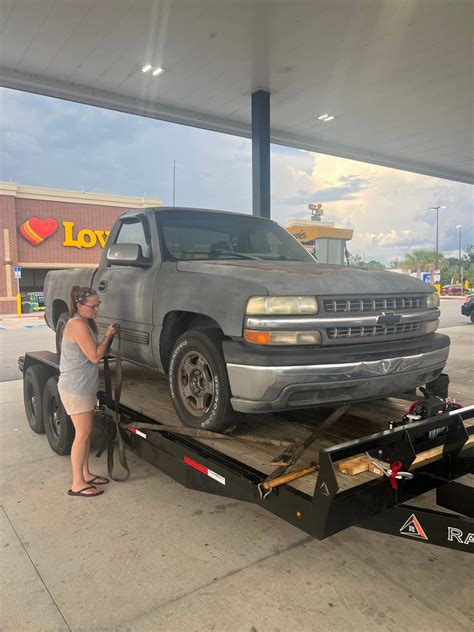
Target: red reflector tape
(204,470)
(138,432)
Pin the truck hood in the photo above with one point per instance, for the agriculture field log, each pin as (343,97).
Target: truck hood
(282,278)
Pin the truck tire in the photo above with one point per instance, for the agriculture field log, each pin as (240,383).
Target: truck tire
(62,322)
(58,425)
(472,316)
(198,381)
(34,382)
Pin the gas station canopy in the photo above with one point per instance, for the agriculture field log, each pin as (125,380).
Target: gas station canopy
(396,76)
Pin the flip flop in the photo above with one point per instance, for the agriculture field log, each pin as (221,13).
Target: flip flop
(103,480)
(84,489)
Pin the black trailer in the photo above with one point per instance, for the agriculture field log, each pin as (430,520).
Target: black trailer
(409,456)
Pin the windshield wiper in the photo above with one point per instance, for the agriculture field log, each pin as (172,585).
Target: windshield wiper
(239,255)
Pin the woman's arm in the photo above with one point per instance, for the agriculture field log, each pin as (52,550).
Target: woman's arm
(80,332)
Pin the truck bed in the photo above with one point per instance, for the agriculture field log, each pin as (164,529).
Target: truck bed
(146,391)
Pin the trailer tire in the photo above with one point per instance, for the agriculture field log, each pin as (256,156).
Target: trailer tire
(57,423)
(34,383)
(198,381)
(60,325)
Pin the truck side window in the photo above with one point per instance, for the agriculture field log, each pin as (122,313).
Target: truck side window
(132,231)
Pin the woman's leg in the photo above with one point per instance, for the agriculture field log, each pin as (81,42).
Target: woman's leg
(88,475)
(83,424)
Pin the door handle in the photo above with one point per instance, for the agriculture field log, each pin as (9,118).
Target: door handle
(103,286)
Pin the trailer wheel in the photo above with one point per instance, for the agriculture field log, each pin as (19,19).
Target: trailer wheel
(34,382)
(198,381)
(57,423)
(62,322)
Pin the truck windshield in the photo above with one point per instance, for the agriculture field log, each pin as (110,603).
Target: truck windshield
(198,235)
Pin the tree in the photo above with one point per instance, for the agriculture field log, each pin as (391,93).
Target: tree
(373,264)
(358,262)
(420,260)
(395,263)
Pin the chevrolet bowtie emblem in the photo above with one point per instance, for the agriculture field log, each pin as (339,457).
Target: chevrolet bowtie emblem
(389,319)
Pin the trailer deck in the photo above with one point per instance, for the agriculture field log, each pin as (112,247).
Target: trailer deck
(433,453)
(143,388)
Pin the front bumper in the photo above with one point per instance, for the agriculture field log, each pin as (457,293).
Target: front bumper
(270,388)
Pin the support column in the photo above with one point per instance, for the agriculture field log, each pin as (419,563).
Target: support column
(261,153)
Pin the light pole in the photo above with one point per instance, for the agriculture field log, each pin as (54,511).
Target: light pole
(461,270)
(436,208)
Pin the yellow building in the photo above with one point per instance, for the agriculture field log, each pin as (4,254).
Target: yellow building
(322,239)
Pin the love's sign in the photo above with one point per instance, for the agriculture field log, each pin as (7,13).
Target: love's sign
(36,230)
(85,238)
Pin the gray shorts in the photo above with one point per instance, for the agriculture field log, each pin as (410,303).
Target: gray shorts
(76,404)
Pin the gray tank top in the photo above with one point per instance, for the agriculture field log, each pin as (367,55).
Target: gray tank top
(77,374)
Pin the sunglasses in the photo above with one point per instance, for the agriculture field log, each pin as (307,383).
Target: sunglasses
(96,306)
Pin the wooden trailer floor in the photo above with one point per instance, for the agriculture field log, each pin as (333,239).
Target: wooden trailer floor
(147,392)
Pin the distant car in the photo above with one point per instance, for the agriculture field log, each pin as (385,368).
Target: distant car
(467,308)
(451,289)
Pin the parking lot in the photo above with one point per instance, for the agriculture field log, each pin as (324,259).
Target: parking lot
(152,555)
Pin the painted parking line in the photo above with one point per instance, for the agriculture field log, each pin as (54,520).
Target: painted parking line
(34,326)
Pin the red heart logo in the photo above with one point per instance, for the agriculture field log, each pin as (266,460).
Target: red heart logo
(36,230)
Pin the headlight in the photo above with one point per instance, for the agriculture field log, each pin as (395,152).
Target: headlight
(282,305)
(282,337)
(432,300)
(431,326)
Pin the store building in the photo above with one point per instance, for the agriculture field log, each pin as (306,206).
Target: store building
(48,229)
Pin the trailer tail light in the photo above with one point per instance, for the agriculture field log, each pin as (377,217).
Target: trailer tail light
(204,470)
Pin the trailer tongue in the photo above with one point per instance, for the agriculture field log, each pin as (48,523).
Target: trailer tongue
(374,481)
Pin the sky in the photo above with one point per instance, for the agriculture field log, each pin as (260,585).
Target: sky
(53,143)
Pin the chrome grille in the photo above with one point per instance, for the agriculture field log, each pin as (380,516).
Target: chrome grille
(361,305)
(368,331)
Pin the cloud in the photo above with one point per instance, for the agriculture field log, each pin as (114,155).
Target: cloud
(53,143)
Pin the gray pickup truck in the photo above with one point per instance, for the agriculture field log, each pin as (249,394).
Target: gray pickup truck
(244,320)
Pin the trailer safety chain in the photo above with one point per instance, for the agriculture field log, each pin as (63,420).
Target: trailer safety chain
(394,472)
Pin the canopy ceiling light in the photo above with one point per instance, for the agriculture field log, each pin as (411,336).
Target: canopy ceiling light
(158,70)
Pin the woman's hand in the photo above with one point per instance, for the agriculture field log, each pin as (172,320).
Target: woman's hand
(112,330)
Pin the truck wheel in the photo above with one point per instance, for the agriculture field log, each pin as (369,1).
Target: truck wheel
(58,425)
(62,322)
(34,382)
(472,316)
(198,381)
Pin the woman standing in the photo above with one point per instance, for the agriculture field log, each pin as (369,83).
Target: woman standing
(79,382)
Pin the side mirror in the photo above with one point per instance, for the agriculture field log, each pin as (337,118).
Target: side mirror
(127,255)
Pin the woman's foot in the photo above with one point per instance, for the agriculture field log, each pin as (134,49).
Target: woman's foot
(95,479)
(85,490)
